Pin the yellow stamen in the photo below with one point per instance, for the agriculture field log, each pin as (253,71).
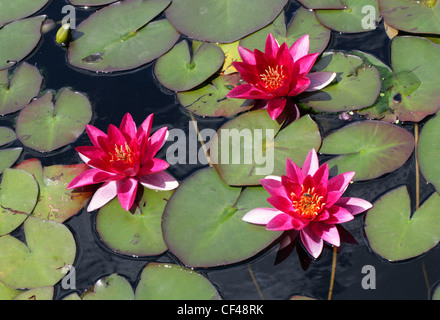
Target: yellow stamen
(309,204)
(122,153)
(273,77)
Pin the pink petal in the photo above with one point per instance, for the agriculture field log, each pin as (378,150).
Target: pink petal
(115,136)
(294,172)
(311,164)
(311,242)
(152,166)
(128,127)
(272,46)
(246,91)
(321,176)
(127,193)
(306,63)
(281,203)
(340,182)
(90,152)
(247,56)
(91,176)
(338,215)
(300,48)
(274,187)
(103,195)
(275,107)
(302,83)
(145,128)
(159,181)
(280,222)
(94,133)
(320,80)
(327,232)
(156,142)
(354,205)
(261,215)
(247,72)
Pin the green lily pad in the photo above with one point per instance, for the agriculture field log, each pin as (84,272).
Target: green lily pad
(211,101)
(394,233)
(17,9)
(113,287)
(428,151)
(359,16)
(55,202)
(44,126)
(18,197)
(18,39)
(43,293)
(304,22)
(436,293)
(49,247)
(122,36)
(90,3)
(370,148)
(20,90)
(137,234)
(163,281)
(8,157)
(252,146)
(417,83)
(222,21)
(203,226)
(178,71)
(412,16)
(7,135)
(8,293)
(353,76)
(323,4)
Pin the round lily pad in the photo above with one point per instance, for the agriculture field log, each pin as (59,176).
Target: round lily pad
(45,126)
(412,16)
(370,148)
(137,234)
(353,77)
(222,21)
(358,16)
(163,281)
(211,101)
(304,22)
(18,197)
(8,157)
(49,247)
(7,135)
(18,39)
(122,36)
(396,234)
(428,151)
(8,293)
(18,92)
(203,226)
(17,9)
(55,202)
(252,146)
(178,71)
(113,287)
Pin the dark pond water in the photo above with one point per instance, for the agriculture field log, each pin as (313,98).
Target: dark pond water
(140,94)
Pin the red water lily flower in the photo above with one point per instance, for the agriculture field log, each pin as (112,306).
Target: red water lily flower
(308,201)
(121,159)
(278,73)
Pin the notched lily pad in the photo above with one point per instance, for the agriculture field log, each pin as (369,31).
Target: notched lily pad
(178,71)
(17,9)
(138,234)
(49,247)
(370,148)
(45,126)
(55,202)
(396,234)
(222,21)
(163,281)
(122,36)
(18,39)
(18,92)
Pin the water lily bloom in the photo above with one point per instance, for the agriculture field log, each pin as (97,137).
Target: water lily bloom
(307,201)
(121,159)
(278,73)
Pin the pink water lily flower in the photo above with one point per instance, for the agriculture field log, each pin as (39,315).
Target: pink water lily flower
(308,201)
(278,73)
(121,159)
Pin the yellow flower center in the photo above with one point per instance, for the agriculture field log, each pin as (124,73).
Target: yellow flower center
(273,77)
(309,204)
(122,153)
